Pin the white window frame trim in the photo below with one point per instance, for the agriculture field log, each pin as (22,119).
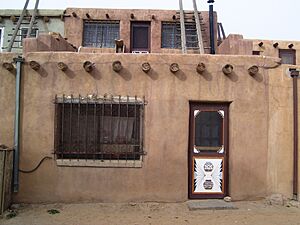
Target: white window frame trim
(1,38)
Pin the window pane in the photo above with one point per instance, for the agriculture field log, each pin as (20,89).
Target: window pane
(288,56)
(208,129)
(140,37)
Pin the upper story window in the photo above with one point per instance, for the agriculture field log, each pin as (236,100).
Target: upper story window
(288,56)
(100,34)
(170,35)
(23,33)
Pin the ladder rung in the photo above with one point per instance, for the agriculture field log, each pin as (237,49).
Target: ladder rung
(14,41)
(18,35)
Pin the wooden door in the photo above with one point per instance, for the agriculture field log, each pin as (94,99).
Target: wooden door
(208,150)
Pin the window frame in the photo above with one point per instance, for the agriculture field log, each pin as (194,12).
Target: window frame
(254,52)
(281,52)
(128,153)
(99,23)
(175,38)
(26,28)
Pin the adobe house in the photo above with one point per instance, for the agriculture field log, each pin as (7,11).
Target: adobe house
(136,126)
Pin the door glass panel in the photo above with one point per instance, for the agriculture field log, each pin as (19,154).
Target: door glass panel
(208,131)
(140,37)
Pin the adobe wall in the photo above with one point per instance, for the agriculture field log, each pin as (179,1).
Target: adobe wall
(7,101)
(280,153)
(47,43)
(164,174)
(268,49)
(74,25)
(235,44)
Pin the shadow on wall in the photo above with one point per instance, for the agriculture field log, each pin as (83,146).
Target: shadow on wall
(232,76)
(96,74)
(125,74)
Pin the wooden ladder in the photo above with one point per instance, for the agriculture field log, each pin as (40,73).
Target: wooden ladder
(190,29)
(16,32)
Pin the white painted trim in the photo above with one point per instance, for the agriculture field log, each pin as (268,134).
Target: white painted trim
(1,38)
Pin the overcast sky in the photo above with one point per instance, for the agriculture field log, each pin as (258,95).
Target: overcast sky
(259,19)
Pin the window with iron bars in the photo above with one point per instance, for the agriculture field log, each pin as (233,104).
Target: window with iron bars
(100,34)
(288,56)
(23,34)
(171,35)
(99,128)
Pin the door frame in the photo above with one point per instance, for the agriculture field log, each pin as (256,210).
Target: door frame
(140,24)
(208,106)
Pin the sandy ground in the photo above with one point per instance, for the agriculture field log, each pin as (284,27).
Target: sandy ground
(258,213)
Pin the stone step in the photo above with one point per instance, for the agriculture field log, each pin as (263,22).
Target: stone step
(211,204)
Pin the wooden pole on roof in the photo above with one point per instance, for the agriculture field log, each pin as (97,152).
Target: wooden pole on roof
(182,28)
(198,27)
(12,40)
(32,18)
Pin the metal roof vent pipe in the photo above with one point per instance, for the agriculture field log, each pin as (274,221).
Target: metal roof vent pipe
(211,27)
(19,61)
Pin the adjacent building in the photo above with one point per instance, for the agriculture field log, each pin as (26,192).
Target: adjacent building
(46,21)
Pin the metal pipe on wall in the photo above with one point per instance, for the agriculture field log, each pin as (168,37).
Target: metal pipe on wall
(295,75)
(19,60)
(211,27)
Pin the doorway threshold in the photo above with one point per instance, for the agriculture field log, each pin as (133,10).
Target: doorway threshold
(210,204)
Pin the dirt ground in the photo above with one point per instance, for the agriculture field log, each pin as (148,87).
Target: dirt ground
(258,213)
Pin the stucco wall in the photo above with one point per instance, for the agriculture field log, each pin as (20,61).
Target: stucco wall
(7,101)
(163,176)
(268,50)
(74,25)
(280,156)
(235,44)
(260,125)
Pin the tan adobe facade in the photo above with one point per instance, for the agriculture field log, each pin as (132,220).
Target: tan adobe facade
(235,44)
(74,26)
(255,110)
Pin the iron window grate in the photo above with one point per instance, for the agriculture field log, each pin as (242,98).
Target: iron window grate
(100,34)
(99,127)
(170,37)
